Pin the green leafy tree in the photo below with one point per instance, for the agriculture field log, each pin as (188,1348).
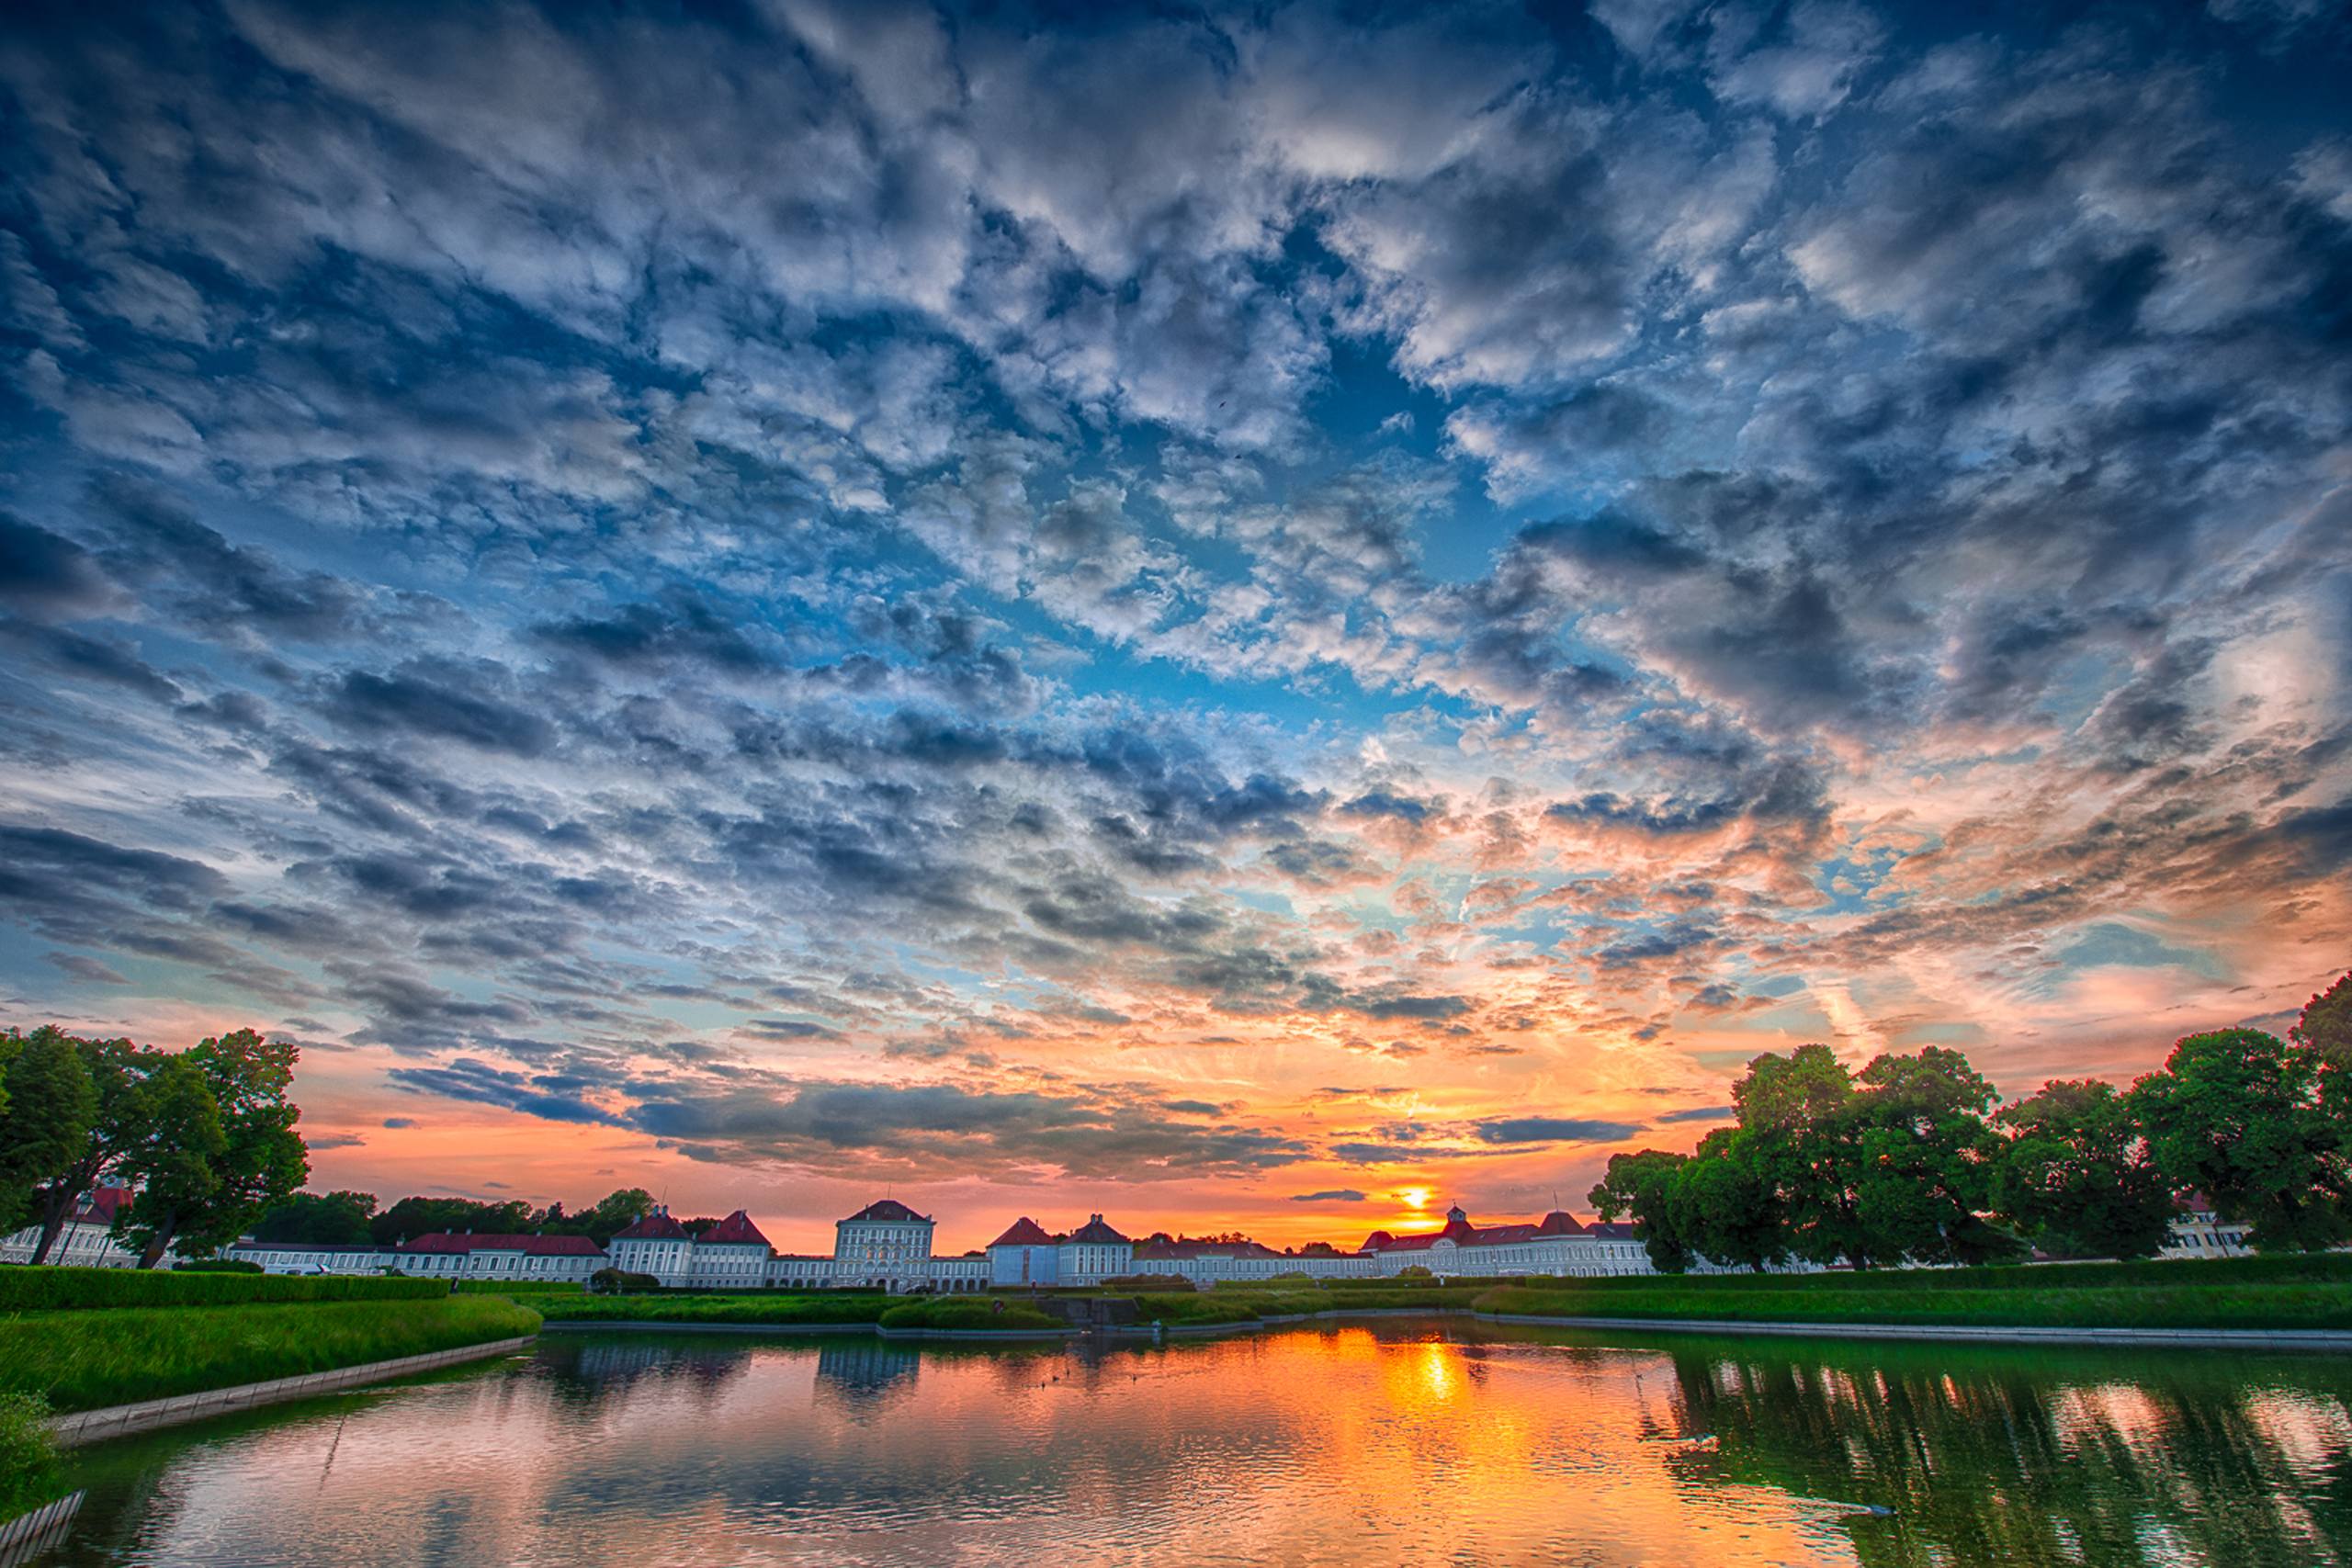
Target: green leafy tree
(616,1211)
(46,1105)
(174,1165)
(320,1219)
(2324,1031)
(2078,1175)
(1725,1206)
(1798,1114)
(2237,1114)
(117,1071)
(417,1215)
(1640,1186)
(258,1158)
(1925,1156)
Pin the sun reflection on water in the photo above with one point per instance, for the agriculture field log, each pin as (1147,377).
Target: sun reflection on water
(1358,1445)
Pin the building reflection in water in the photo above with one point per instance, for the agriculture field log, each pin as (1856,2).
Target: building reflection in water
(861,1373)
(1356,1445)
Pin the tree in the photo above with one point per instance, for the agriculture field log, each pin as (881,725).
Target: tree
(1641,1185)
(2237,1114)
(615,1211)
(46,1105)
(2324,1031)
(117,1072)
(1892,1164)
(264,1159)
(252,1159)
(174,1165)
(417,1215)
(1798,1114)
(2077,1176)
(328,1219)
(1926,1153)
(1724,1206)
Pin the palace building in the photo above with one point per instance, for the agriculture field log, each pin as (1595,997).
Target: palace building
(889,1247)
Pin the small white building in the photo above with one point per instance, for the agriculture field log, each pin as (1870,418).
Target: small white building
(2198,1231)
(85,1241)
(885,1245)
(655,1245)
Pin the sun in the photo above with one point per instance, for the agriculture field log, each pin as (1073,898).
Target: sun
(1414,1197)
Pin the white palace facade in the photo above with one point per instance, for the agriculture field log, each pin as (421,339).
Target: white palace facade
(887,1247)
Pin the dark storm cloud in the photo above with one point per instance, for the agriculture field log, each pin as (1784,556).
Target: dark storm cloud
(1555,1130)
(439,701)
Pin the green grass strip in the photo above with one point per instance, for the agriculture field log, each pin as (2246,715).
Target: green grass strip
(2282,1306)
(779,1308)
(83,1360)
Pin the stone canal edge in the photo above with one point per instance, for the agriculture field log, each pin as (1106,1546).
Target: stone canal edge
(80,1427)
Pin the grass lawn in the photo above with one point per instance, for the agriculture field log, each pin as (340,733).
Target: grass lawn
(81,1360)
(2287,1305)
(779,1307)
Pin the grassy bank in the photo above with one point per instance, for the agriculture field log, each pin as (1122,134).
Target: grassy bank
(2277,1306)
(82,1289)
(2308,1268)
(82,1361)
(29,1472)
(519,1287)
(766,1307)
(964,1312)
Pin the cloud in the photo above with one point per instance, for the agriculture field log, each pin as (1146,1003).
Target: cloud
(1151,563)
(1335,1195)
(1555,1130)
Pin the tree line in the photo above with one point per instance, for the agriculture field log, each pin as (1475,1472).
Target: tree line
(1915,1158)
(205,1136)
(352,1219)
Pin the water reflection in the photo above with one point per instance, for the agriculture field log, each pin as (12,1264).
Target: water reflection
(1360,1446)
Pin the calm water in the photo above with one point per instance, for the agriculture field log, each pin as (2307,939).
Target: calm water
(1399,1443)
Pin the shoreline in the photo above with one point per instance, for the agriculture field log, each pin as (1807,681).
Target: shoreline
(77,1428)
(2320,1341)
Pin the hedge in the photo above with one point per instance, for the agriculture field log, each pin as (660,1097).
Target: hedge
(25,1289)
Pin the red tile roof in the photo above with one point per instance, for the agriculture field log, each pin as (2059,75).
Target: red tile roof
(1095,1233)
(1024,1231)
(537,1245)
(887,1211)
(655,1226)
(736,1229)
(1461,1233)
(1161,1251)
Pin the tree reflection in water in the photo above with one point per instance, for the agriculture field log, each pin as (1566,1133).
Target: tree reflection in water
(2032,1457)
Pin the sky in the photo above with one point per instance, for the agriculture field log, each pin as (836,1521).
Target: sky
(1243,617)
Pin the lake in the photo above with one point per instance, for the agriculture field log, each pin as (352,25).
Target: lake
(1397,1441)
